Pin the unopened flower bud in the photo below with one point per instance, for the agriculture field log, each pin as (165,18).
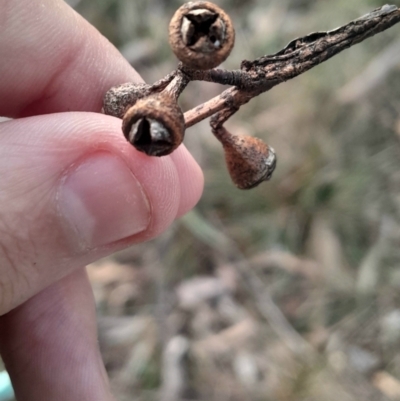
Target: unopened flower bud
(250,161)
(154,125)
(119,98)
(201,35)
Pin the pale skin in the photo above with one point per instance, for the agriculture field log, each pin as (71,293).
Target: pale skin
(73,190)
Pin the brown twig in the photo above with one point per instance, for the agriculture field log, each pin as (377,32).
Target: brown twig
(297,57)
(262,74)
(149,111)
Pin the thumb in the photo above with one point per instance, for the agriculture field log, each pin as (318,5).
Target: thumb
(73,190)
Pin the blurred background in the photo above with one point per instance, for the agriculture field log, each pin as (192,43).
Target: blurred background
(286,292)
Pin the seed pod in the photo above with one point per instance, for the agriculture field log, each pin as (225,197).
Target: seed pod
(201,35)
(119,98)
(154,125)
(250,161)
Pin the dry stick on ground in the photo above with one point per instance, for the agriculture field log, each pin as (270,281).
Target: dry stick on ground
(372,76)
(252,282)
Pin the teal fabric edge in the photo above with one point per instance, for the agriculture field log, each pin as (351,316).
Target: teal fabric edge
(6,389)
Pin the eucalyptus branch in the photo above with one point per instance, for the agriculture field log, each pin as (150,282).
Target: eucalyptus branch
(299,56)
(201,35)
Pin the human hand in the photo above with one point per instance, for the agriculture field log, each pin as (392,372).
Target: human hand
(72,190)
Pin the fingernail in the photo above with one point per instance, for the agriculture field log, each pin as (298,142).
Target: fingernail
(103,202)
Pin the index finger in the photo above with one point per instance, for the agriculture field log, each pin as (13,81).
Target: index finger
(53,60)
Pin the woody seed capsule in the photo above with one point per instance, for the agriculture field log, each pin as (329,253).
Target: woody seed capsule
(154,125)
(250,161)
(201,35)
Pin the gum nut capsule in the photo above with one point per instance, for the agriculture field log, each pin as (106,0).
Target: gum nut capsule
(119,98)
(201,35)
(154,125)
(250,161)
